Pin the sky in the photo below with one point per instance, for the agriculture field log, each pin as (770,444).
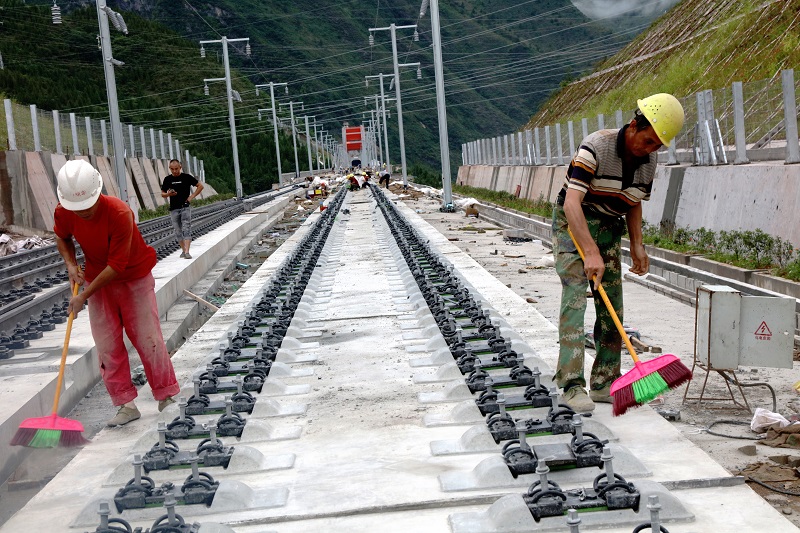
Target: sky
(604,8)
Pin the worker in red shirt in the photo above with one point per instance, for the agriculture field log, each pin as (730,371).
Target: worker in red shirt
(119,280)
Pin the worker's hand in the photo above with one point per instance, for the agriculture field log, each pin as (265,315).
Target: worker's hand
(76,303)
(641,262)
(594,266)
(75,274)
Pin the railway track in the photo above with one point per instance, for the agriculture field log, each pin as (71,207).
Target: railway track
(34,289)
(298,414)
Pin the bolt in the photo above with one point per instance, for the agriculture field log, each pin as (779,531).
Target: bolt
(193,459)
(553,398)
(522,430)
(137,469)
(501,403)
(542,470)
(573,521)
(577,427)
(162,435)
(104,511)
(607,458)
(655,507)
(228,406)
(182,404)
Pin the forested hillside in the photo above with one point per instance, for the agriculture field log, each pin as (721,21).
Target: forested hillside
(698,44)
(502,59)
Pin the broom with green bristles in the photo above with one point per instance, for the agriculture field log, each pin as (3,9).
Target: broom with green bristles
(646,380)
(52,431)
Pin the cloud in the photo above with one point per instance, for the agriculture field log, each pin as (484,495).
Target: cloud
(596,9)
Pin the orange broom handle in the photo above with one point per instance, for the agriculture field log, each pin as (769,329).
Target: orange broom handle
(610,307)
(64,354)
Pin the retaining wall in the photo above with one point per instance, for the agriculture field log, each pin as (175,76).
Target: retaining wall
(28,186)
(764,195)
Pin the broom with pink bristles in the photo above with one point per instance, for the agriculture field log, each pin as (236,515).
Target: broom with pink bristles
(53,431)
(646,380)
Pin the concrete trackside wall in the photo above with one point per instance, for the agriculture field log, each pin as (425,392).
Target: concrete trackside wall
(208,191)
(763,195)
(161,170)
(104,165)
(533,182)
(744,197)
(13,190)
(28,186)
(152,181)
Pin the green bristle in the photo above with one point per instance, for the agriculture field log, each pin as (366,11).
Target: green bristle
(649,387)
(45,438)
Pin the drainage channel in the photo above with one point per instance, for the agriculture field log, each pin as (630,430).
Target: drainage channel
(229,400)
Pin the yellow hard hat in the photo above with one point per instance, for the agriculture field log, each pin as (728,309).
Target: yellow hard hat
(665,114)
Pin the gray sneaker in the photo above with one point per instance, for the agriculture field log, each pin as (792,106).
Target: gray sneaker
(124,415)
(162,404)
(183,255)
(578,400)
(187,256)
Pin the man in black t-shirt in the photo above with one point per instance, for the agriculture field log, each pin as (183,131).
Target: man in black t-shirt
(178,188)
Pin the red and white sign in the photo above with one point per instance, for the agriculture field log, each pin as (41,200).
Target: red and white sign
(763,333)
(353,137)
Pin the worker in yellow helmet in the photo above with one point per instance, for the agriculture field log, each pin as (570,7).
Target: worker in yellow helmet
(609,176)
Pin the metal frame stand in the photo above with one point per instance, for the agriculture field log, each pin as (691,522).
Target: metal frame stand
(728,380)
(724,373)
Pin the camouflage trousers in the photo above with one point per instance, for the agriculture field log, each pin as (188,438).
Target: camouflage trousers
(607,233)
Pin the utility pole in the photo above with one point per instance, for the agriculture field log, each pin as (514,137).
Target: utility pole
(275,121)
(383,118)
(377,116)
(294,136)
(392,29)
(103,12)
(308,147)
(229,90)
(315,125)
(441,108)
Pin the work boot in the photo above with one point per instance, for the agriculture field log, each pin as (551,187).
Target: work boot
(162,404)
(577,399)
(601,395)
(124,415)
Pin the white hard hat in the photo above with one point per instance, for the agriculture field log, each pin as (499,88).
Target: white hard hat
(79,185)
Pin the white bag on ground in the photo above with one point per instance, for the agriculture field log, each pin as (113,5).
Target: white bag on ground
(763,419)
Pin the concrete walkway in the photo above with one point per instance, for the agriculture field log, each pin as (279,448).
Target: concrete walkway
(27,381)
(350,441)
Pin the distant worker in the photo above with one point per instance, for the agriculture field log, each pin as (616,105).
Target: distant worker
(384,177)
(178,188)
(607,179)
(120,284)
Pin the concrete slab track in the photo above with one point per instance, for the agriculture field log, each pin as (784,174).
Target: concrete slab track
(362,458)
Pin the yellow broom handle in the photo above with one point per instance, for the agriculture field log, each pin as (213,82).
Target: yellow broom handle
(64,351)
(610,307)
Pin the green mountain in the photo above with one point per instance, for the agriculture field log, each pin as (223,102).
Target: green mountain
(502,59)
(697,45)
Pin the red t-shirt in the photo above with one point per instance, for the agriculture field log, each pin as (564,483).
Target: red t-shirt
(109,238)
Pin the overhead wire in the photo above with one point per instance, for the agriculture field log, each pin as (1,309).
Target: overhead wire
(515,71)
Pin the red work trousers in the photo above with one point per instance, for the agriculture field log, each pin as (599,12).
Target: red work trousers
(130,305)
